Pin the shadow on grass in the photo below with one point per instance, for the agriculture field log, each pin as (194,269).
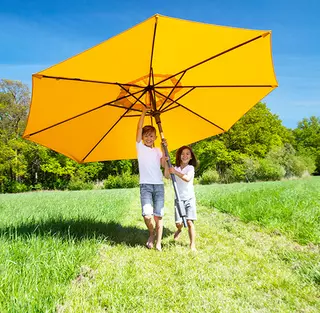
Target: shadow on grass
(81,229)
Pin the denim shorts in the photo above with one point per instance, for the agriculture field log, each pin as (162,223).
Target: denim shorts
(152,199)
(191,210)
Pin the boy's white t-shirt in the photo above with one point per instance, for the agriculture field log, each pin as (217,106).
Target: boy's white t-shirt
(185,189)
(149,164)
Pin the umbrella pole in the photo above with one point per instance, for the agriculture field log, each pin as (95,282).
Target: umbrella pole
(179,203)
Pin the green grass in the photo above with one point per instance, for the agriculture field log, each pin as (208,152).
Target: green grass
(290,207)
(45,239)
(84,252)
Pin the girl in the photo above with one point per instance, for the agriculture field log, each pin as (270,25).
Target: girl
(184,171)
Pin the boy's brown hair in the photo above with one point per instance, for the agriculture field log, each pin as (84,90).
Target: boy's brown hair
(148,129)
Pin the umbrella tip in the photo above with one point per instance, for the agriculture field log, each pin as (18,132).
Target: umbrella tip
(266,34)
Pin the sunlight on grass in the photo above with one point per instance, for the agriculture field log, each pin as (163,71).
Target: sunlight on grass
(289,207)
(237,268)
(46,237)
(233,271)
(84,252)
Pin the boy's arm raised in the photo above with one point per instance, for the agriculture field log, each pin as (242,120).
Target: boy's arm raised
(140,124)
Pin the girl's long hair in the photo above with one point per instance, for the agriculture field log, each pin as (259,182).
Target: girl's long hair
(193,160)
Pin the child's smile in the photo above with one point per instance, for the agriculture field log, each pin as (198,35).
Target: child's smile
(149,138)
(186,157)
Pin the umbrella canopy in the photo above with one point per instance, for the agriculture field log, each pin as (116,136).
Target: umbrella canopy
(200,78)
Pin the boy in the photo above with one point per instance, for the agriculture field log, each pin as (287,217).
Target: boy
(151,180)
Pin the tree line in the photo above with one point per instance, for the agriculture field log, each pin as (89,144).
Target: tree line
(257,147)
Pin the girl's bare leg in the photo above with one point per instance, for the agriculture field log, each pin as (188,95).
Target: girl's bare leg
(192,235)
(178,232)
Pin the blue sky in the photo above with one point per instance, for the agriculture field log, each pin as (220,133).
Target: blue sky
(36,34)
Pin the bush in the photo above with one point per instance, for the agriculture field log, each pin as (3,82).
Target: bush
(293,164)
(250,168)
(77,184)
(15,187)
(309,163)
(236,173)
(36,187)
(196,181)
(124,180)
(98,185)
(268,170)
(295,167)
(210,176)
(56,184)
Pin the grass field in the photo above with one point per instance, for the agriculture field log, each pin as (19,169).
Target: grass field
(290,207)
(258,251)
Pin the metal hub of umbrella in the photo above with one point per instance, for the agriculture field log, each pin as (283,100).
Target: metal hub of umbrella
(163,88)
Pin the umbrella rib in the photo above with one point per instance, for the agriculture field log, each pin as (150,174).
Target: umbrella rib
(192,88)
(178,104)
(128,109)
(205,119)
(76,116)
(202,117)
(122,107)
(169,109)
(84,80)
(152,48)
(133,94)
(174,87)
(153,94)
(152,78)
(220,86)
(174,101)
(213,57)
(138,115)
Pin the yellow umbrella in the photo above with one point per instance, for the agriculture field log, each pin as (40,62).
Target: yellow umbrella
(199,78)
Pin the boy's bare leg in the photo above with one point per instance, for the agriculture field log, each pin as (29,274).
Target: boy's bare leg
(176,235)
(149,224)
(159,231)
(192,235)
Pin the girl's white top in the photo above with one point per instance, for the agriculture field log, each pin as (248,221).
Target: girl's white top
(185,189)
(149,164)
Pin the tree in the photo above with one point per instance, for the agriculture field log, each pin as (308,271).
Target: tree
(235,154)
(307,139)
(212,154)
(14,101)
(257,132)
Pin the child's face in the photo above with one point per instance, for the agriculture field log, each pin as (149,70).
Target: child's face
(149,138)
(186,156)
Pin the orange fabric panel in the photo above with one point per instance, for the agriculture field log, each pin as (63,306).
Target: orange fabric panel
(203,79)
